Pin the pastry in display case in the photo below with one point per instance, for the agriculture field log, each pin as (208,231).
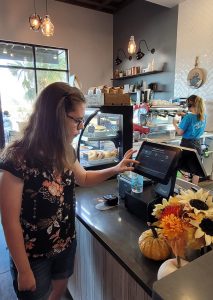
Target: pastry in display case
(106,136)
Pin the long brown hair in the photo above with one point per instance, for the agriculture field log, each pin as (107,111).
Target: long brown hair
(198,103)
(44,139)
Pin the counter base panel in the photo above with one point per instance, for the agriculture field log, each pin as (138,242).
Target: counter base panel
(97,275)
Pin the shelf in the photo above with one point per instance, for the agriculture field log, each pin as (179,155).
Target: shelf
(99,138)
(137,75)
(158,91)
(168,107)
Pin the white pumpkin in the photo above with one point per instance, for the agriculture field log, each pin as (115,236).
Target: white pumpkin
(169,266)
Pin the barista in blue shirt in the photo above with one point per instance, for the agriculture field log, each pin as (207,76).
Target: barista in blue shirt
(192,126)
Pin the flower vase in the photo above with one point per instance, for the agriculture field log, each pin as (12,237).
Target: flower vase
(169,266)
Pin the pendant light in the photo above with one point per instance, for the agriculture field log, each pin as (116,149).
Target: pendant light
(131,45)
(35,20)
(47,27)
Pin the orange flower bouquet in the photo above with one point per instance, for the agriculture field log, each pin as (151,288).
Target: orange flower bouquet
(186,221)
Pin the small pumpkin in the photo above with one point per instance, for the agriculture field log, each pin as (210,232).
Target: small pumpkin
(169,266)
(153,245)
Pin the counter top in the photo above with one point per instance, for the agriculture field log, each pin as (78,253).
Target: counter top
(164,138)
(192,282)
(118,231)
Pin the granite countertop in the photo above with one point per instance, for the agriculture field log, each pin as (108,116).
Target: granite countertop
(192,282)
(118,231)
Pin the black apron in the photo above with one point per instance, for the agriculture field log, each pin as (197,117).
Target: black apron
(191,143)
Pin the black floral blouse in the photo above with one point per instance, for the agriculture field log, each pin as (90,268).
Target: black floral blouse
(48,209)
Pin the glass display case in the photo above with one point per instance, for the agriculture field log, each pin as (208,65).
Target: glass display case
(106,136)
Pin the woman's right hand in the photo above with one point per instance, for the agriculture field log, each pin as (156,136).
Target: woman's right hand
(26,281)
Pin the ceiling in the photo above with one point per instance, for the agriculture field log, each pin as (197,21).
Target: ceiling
(167,3)
(108,6)
(112,6)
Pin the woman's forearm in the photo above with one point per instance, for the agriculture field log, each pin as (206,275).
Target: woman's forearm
(15,242)
(11,189)
(89,178)
(95,177)
(177,129)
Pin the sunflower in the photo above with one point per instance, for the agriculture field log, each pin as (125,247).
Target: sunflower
(197,202)
(157,211)
(204,227)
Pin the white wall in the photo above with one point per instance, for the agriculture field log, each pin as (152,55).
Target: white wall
(194,38)
(87,34)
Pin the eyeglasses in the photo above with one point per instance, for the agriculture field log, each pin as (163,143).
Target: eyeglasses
(79,122)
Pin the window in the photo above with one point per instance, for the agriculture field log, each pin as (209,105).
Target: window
(24,71)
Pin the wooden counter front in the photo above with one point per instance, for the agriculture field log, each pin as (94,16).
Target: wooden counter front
(109,264)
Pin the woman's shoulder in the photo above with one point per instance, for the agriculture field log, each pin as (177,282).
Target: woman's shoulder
(13,161)
(13,165)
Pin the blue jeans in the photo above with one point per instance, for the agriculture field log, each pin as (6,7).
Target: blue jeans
(45,270)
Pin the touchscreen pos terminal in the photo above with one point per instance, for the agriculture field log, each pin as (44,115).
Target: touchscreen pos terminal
(160,162)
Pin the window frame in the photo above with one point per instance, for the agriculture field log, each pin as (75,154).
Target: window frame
(33,68)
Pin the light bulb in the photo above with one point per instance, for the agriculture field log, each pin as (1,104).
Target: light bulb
(131,45)
(47,26)
(35,22)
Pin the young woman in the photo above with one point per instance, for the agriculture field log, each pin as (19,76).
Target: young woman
(192,126)
(37,178)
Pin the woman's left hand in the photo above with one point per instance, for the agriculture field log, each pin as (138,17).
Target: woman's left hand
(126,163)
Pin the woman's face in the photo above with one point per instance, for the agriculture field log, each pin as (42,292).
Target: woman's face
(75,121)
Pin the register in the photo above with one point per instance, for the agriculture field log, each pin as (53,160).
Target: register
(160,163)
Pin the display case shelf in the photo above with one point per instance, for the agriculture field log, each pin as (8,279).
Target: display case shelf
(137,75)
(99,138)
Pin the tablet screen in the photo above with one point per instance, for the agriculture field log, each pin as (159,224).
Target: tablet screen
(157,161)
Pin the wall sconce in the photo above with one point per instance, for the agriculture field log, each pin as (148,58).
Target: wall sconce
(118,60)
(35,20)
(140,54)
(131,46)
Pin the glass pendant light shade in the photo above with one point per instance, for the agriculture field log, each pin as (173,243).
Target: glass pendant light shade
(131,45)
(47,26)
(35,22)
